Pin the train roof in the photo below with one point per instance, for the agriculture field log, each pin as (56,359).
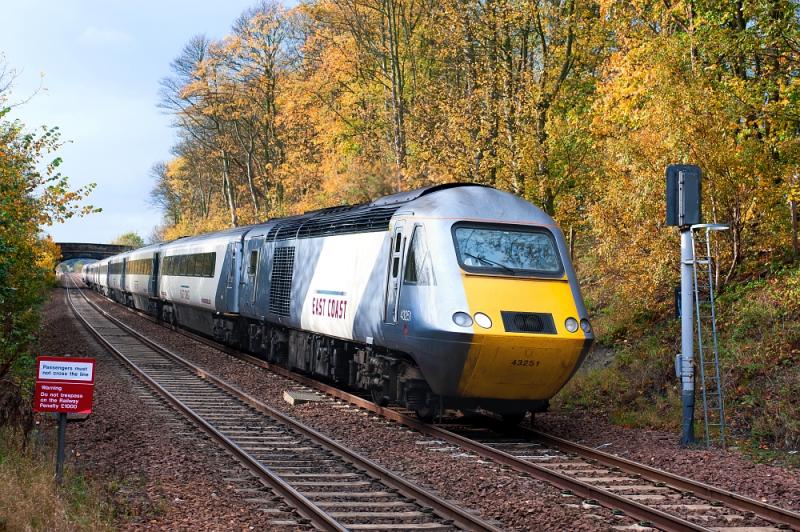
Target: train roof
(366,217)
(479,204)
(450,200)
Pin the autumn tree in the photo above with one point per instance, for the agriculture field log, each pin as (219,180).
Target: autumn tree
(576,106)
(33,195)
(130,239)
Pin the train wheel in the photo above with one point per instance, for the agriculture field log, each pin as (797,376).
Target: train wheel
(512,418)
(425,414)
(378,397)
(428,412)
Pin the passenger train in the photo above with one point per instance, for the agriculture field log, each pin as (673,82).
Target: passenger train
(453,296)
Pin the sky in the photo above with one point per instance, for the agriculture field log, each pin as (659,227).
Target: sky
(96,65)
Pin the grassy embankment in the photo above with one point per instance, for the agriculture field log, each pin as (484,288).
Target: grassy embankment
(29,498)
(759,332)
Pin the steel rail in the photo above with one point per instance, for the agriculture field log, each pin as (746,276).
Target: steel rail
(458,516)
(734,500)
(740,502)
(304,507)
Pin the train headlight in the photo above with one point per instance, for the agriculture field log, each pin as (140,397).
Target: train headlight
(483,320)
(586,326)
(462,319)
(571,324)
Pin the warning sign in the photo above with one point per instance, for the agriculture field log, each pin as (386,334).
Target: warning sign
(64,384)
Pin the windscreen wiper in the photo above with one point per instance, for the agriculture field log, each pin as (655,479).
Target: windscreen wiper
(493,263)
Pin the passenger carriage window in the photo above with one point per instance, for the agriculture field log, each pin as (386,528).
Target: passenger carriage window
(202,265)
(192,265)
(419,269)
(211,258)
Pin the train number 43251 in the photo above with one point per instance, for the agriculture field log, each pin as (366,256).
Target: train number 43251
(524,362)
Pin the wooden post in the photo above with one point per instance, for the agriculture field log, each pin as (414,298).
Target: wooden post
(62,434)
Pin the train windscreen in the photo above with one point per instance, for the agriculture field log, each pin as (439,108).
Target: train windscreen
(502,249)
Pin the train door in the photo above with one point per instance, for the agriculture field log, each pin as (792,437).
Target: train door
(251,274)
(395,272)
(254,266)
(231,294)
(153,283)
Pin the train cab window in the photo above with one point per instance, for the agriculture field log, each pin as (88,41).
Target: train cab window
(251,268)
(505,249)
(419,269)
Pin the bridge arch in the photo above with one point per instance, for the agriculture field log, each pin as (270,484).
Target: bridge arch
(83,250)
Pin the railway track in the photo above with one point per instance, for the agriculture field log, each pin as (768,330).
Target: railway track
(331,486)
(655,498)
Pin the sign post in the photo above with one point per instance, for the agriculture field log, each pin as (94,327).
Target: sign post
(64,385)
(683,210)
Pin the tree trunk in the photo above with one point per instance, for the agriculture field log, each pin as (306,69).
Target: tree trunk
(251,182)
(227,189)
(795,243)
(736,232)
(397,85)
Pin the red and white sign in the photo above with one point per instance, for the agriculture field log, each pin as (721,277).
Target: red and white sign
(64,385)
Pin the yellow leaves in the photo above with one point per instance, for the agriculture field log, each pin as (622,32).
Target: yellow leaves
(47,254)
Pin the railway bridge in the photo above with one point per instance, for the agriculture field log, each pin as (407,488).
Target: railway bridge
(83,250)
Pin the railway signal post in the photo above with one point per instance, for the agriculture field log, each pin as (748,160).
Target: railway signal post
(64,385)
(683,210)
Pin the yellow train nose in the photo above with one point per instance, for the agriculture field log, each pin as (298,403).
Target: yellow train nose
(509,366)
(527,353)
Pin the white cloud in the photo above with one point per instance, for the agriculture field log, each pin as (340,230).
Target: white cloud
(93,35)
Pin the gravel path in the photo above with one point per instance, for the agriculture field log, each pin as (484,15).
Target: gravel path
(156,470)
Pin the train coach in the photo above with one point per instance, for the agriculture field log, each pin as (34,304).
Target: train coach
(450,296)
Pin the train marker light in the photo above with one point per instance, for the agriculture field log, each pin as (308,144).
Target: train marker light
(483,320)
(586,326)
(462,319)
(571,324)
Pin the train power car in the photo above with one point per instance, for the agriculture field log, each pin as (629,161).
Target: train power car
(450,296)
